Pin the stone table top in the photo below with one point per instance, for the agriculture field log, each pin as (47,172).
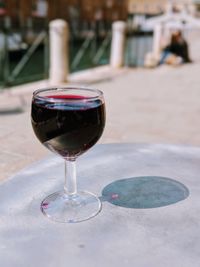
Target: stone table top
(150,215)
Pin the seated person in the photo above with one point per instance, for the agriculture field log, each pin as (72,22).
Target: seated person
(177,51)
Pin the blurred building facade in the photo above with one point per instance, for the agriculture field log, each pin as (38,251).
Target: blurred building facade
(83,13)
(74,11)
(155,7)
(150,7)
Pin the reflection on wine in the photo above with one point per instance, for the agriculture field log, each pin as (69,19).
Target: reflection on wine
(68,128)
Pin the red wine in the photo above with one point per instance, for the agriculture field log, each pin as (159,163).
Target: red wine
(70,126)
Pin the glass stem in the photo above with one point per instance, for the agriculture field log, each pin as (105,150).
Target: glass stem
(70,186)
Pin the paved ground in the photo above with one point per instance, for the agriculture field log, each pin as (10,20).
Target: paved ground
(159,105)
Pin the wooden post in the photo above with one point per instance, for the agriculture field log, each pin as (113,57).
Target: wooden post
(59,56)
(157,35)
(118,44)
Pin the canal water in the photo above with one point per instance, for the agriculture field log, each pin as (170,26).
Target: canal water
(37,67)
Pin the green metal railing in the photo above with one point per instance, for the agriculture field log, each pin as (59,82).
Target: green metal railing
(16,66)
(4,62)
(30,64)
(102,49)
(22,63)
(91,52)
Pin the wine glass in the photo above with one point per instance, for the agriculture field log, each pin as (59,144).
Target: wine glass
(69,121)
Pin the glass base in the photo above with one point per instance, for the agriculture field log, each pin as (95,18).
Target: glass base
(79,207)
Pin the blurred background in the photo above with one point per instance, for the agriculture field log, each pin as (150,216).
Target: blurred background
(24,33)
(145,102)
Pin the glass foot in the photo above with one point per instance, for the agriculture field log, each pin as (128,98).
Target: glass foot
(79,207)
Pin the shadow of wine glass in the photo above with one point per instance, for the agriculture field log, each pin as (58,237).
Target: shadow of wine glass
(144,192)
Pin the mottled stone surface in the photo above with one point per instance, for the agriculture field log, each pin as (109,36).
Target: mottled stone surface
(150,214)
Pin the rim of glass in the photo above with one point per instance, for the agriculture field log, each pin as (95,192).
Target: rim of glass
(38,91)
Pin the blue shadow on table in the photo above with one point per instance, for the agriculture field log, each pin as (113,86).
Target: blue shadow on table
(145,192)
